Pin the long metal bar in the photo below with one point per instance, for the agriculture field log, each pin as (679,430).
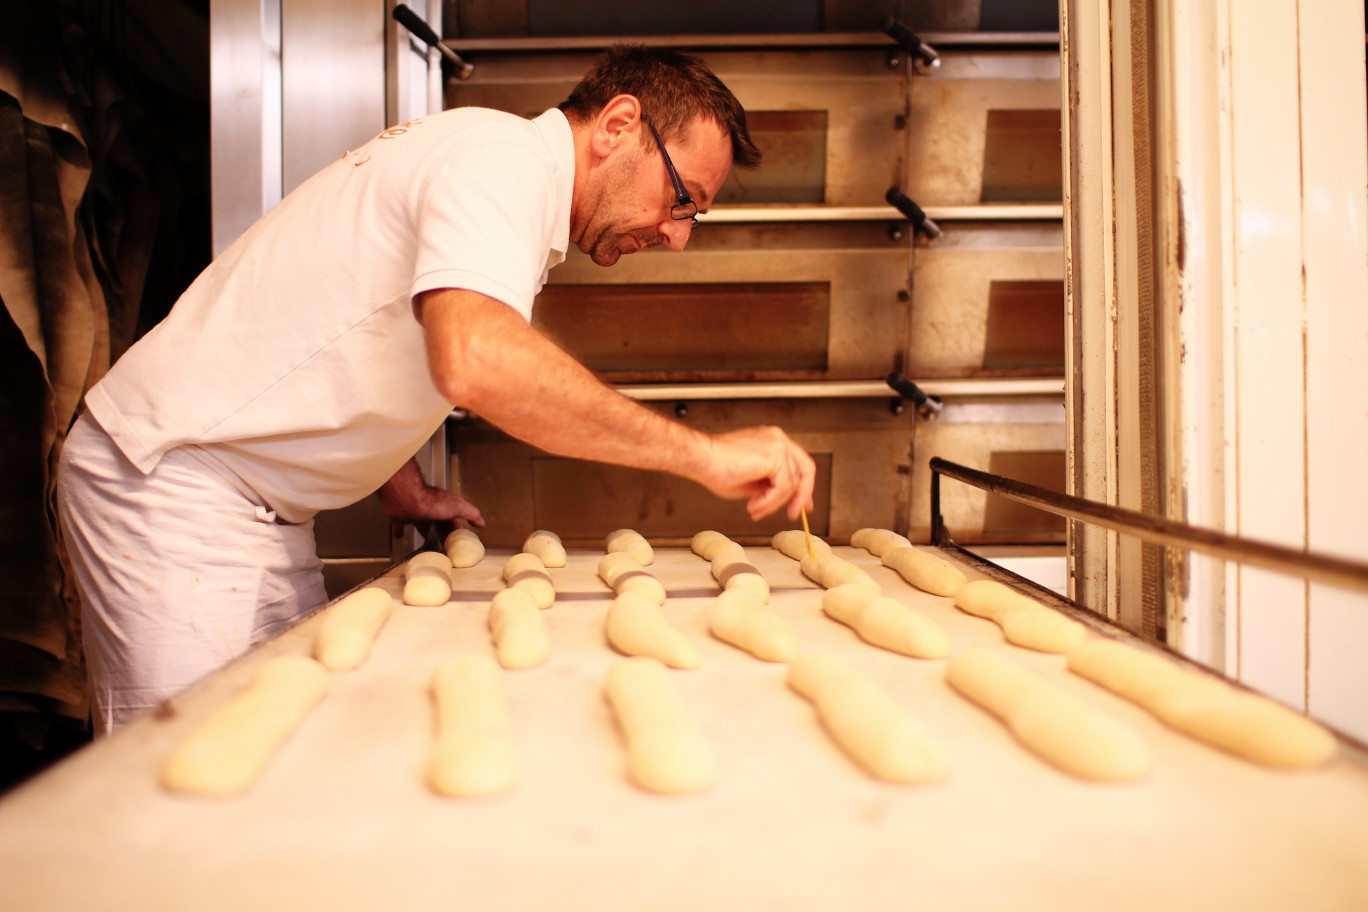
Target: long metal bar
(801,213)
(843,389)
(1324,568)
(783,40)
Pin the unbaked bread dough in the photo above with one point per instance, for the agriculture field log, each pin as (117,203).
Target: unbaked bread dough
(830,571)
(427,579)
(527,572)
(349,628)
(706,544)
(1210,710)
(925,571)
(733,570)
(878,541)
(1049,721)
(886,622)
(863,719)
(665,750)
(229,750)
(793,543)
(637,627)
(633,542)
(624,574)
(474,751)
(741,618)
(547,546)
(1024,621)
(520,635)
(464,548)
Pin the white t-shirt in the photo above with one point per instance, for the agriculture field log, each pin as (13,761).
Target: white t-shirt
(295,360)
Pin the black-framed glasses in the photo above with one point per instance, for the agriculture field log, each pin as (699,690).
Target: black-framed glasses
(684,207)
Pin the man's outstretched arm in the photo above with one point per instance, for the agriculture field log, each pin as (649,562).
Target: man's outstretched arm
(485,357)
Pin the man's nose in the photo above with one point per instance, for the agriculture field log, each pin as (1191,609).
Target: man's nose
(676,232)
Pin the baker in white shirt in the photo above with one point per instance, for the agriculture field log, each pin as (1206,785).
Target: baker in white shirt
(308,363)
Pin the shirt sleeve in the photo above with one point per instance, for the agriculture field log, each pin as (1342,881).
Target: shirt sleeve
(485,223)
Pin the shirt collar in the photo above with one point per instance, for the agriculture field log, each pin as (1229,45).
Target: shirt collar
(555,130)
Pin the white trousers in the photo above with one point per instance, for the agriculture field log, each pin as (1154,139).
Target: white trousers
(178,570)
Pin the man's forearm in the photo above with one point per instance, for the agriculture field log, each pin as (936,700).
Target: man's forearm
(484,357)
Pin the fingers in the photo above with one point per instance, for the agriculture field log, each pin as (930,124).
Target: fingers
(789,481)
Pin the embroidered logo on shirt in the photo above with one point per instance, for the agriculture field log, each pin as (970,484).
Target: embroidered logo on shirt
(391,133)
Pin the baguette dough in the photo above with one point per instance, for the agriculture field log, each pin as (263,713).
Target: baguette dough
(793,543)
(665,750)
(633,543)
(878,541)
(925,571)
(547,546)
(733,570)
(885,622)
(1023,620)
(229,750)
(830,571)
(427,579)
(1048,720)
(741,618)
(624,574)
(1242,723)
(474,752)
(464,548)
(636,627)
(349,628)
(708,543)
(527,572)
(520,635)
(863,719)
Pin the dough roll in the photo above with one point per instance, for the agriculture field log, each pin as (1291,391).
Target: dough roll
(464,548)
(547,546)
(1049,721)
(830,571)
(637,627)
(349,628)
(665,750)
(708,543)
(866,723)
(741,618)
(1242,723)
(878,541)
(427,579)
(733,570)
(793,543)
(520,635)
(624,574)
(229,750)
(885,622)
(474,752)
(526,571)
(925,571)
(632,542)
(1024,621)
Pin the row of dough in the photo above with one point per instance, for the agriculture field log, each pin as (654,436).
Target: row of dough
(863,719)
(1044,717)
(464,548)
(1193,703)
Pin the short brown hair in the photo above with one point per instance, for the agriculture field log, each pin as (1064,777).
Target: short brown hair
(673,88)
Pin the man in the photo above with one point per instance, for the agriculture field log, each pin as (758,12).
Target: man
(304,368)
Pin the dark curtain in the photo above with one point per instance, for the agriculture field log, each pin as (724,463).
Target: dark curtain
(104,220)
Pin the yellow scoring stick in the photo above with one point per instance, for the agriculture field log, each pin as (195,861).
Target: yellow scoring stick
(807,534)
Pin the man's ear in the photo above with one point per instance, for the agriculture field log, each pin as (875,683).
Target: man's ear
(618,125)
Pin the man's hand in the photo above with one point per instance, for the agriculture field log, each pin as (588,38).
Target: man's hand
(407,498)
(765,467)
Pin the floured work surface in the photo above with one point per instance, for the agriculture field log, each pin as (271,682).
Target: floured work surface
(343,818)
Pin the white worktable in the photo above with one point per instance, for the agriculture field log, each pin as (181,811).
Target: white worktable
(342,819)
